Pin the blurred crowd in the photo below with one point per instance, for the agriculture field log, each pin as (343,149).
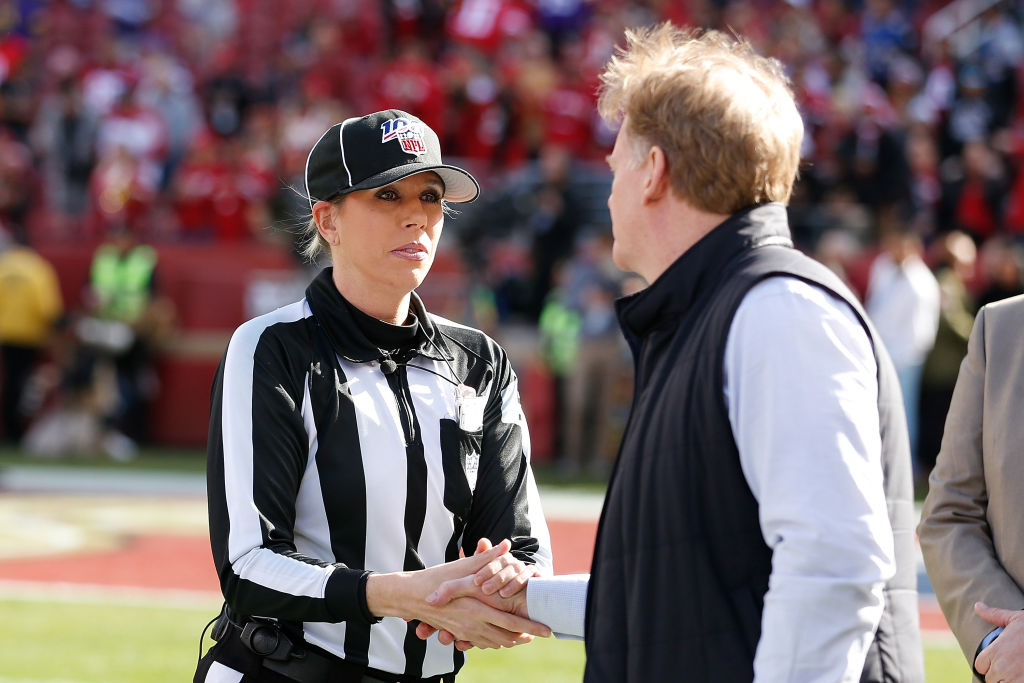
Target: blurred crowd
(190,121)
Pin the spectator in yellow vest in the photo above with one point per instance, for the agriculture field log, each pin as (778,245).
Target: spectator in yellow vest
(30,307)
(126,319)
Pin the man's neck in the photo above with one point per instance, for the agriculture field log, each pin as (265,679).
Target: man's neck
(684,227)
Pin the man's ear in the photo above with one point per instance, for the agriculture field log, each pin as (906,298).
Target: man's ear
(323,214)
(656,180)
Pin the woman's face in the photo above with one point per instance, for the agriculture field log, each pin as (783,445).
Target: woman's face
(387,236)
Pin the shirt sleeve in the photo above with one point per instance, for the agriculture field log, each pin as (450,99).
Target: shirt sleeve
(506,502)
(801,387)
(257,451)
(560,603)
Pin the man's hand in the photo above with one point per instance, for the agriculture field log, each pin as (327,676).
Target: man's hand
(1003,660)
(403,594)
(505,574)
(498,584)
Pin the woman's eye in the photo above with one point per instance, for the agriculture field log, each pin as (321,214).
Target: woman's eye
(432,197)
(387,195)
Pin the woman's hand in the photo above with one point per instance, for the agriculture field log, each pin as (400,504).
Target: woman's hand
(404,594)
(499,584)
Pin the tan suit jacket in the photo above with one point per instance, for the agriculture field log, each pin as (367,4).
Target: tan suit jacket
(972,525)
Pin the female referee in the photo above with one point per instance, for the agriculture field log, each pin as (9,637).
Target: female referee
(358,443)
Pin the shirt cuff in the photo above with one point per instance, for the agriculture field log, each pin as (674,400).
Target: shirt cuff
(985,642)
(560,603)
(346,596)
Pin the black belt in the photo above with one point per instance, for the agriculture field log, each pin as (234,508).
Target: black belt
(300,662)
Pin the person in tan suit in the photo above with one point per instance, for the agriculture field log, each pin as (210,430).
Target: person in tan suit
(970,529)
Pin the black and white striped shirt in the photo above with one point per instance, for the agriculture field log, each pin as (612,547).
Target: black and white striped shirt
(322,467)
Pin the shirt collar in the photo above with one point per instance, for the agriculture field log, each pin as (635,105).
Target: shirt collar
(359,337)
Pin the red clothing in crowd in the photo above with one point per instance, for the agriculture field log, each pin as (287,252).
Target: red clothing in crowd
(123,188)
(486,24)
(973,211)
(568,112)
(412,83)
(217,189)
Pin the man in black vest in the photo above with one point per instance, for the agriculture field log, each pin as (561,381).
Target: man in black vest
(759,520)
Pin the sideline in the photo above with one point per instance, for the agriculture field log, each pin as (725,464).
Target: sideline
(120,596)
(83,479)
(560,503)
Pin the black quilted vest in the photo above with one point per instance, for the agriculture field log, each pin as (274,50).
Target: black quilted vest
(680,567)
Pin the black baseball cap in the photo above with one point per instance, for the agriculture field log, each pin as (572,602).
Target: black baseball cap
(373,150)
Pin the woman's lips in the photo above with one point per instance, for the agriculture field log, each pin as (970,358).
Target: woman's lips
(411,252)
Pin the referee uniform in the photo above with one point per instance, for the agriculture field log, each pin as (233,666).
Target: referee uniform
(342,445)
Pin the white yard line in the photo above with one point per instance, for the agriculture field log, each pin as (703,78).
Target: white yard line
(90,594)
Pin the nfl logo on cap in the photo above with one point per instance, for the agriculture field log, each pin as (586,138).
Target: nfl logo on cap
(408,132)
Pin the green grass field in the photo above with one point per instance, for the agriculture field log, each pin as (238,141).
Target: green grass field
(110,642)
(85,638)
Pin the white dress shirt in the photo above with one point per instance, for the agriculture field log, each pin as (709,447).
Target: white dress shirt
(801,388)
(802,393)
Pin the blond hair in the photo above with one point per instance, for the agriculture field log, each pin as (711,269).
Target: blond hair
(723,115)
(312,242)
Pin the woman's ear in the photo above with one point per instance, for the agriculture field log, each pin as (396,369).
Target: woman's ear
(323,215)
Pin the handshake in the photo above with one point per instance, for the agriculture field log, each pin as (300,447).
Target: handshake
(477,601)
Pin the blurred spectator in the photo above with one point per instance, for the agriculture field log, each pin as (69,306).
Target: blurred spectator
(840,251)
(1011,144)
(973,190)
(166,88)
(125,324)
(563,20)
(903,303)
(954,270)
(559,329)
(872,155)
(939,91)
(135,127)
(30,308)
(225,94)
(480,124)
(1003,270)
(17,183)
(598,368)
(241,187)
(507,273)
(107,79)
(1000,53)
(192,190)
(486,24)
(971,117)
(123,190)
(886,34)
(16,73)
(64,139)
(411,82)
(925,181)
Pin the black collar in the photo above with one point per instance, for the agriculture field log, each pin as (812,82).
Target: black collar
(354,335)
(677,289)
